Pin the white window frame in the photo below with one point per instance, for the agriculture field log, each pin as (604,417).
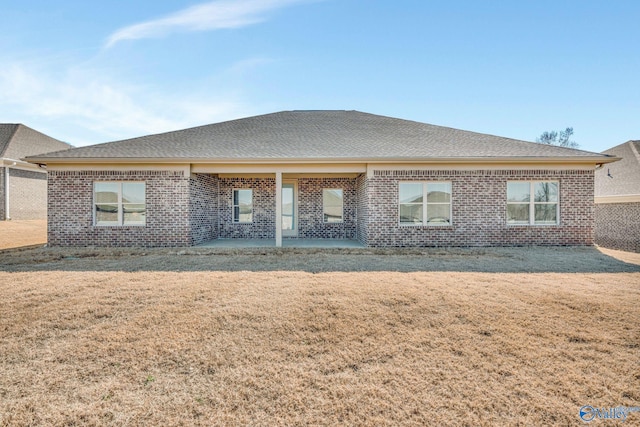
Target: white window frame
(532,204)
(120,221)
(235,220)
(425,205)
(341,206)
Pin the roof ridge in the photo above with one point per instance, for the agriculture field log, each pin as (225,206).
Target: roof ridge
(312,110)
(634,150)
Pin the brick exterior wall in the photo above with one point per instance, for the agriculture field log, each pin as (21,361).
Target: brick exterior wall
(311,223)
(203,207)
(310,217)
(2,214)
(70,217)
(186,211)
(617,226)
(361,209)
(264,213)
(27,194)
(479,210)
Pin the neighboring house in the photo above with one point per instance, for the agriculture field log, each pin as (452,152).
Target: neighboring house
(23,185)
(618,199)
(321,174)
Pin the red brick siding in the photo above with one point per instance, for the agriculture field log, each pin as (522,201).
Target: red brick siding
(264,213)
(479,210)
(310,215)
(361,208)
(70,216)
(311,223)
(617,226)
(203,207)
(185,211)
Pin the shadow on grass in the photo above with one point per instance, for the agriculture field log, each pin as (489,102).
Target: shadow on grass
(489,260)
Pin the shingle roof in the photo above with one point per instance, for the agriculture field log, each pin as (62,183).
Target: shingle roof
(18,141)
(622,177)
(316,135)
(6,133)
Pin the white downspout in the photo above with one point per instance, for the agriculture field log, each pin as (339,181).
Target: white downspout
(7,215)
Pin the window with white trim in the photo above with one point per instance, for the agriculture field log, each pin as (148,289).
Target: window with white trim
(332,204)
(119,203)
(242,205)
(532,202)
(424,203)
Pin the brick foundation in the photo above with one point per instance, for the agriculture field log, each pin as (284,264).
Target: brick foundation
(617,226)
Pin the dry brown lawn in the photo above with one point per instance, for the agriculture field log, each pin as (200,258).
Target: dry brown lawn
(302,337)
(16,233)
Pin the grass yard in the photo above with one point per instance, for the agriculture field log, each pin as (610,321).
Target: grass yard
(304,337)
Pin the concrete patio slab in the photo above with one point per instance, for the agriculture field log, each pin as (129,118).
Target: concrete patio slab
(286,243)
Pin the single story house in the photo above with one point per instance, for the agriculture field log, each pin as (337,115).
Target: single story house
(382,181)
(23,185)
(617,215)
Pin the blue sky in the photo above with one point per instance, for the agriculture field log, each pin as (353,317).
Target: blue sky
(87,72)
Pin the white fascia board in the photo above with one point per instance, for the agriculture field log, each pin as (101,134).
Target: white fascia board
(20,164)
(593,160)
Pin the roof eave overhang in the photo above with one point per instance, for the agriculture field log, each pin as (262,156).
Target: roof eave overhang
(19,164)
(596,160)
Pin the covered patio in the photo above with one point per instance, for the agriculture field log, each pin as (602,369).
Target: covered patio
(278,205)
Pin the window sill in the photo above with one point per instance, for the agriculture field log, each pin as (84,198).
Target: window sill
(426,225)
(120,226)
(533,225)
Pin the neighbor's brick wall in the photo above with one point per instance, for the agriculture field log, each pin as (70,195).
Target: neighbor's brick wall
(203,207)
(311,223)
(27,194)
(361,208)
(2,217)
(264,213)
(617,226)
(479,210)
(70,216)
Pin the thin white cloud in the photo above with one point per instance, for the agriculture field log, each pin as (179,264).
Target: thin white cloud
(215,15)
(86,104)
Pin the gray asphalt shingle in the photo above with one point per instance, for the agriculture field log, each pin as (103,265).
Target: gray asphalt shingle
(317,135)
(622,177)
(18,141)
